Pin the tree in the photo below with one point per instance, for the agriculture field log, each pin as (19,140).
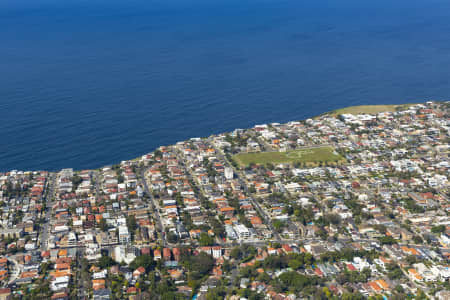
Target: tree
(120,178)
(295,264)
(172,237)
(236,253)
(353,296)
(322,233)
(411,259)
(199,265)
(274,262)
(216,293)
(103,225)
(264,277)
(330,204)
(387,240)
(421,295)
(438,229)
(131,223)
(205,239)
(308,259)
(417,239)
(278,225)
(157,153)
(296,282)
(399,289)
(145,261)
(227,266)
(218,228)
(76,180)
(394,271)
(327,292)
(334,219)
(247,272)
(105,262)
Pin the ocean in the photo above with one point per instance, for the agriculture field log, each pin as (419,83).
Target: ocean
(87,83)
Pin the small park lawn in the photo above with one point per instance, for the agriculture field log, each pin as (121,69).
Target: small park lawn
(307,155)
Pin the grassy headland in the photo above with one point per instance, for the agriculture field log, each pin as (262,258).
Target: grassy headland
(368,109)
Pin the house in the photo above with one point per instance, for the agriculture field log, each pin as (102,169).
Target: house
(272,251)
(101,294)
(100,275)
(156,254)
(287,249)
(138,272)
(133,290)
(60,296)
(351,267)
(414,275)
(175,274)
(227,211)
(176,254)
(195,233)
(443,295)
(5,294)
(256,221)
(98,284)
(167,254)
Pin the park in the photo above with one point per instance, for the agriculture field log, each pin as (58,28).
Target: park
(311,156)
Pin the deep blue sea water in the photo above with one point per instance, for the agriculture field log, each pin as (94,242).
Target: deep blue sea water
(85,83)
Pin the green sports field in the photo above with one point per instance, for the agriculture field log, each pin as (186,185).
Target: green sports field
(307,155)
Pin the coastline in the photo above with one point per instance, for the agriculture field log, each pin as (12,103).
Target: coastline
(368,109)
(356,109)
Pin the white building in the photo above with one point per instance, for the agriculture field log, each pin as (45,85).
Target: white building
(216,252)
(100,275)
(445,239)
(231,234)
(242,231)
(360,263)
(124,235)
(71,239)
(229,173)
(122,255)
(59,283)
